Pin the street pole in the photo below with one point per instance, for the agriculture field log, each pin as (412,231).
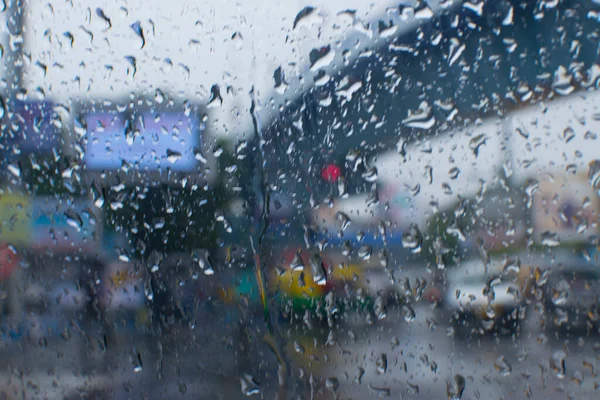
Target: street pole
(13,73)
(14,54)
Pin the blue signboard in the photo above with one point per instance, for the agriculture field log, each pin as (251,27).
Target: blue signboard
(152,141)
(34,126)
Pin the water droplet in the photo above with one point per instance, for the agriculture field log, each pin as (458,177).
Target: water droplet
(148,291)
(360,372)
(249,386)
(364,252)
(348,90)
(531,186)
(412,239)
(415,190)
(74,219)
(342,187)
(97,196)
(370,175)
(306,17)
(382,230)
(159,96)
(476,142)
(215,99)
(571,169)
(101,14)
(14,169)
(318,270)
(562,83)
(550,239)
(381,363)
(422,118)
(455,387)
(380,391)
(379,308)
(69,37)
(454,172)
(372,197)
(423,13)
(594,175)
(204,261)
(456,50)
(133,62)
(590,136)
(561,317)
(321,57)
(297,264)
(440,251)
(490,313)
(332,384)
(137,363)
(503,366)
(558,363)
(568,134)
(308,241)
(412,388)
(344,220)
(137,28)
(301,281)
(280,83)
(409,313)
(512,266)
(560,292)
(298,348)
(508,19)
(476,7)
(522,132)
(346,248)
(383,258)
(173,156)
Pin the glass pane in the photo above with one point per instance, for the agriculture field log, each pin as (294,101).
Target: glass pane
(329,200)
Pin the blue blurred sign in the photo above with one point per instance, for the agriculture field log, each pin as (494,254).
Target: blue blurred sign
(154,141)
(33,126)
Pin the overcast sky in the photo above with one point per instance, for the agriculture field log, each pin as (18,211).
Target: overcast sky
(189,46)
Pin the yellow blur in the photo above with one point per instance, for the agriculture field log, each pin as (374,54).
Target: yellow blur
(293,284)
(15,220)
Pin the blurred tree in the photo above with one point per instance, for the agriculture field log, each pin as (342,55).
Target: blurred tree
(50,174)
(170,218)
(444,230)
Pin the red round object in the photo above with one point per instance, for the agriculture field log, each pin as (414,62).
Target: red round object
(331,172)
(432,294)
(8,262)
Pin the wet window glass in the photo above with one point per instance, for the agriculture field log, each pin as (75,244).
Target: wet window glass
(295,200)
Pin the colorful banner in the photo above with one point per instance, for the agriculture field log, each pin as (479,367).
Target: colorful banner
(64,226)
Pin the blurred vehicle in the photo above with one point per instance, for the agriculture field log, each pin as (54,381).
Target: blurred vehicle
(303,279)
(122,296)
(325,284)
(570,295)
(482,298)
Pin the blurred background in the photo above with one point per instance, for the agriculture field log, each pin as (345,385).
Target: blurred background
(307,200)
